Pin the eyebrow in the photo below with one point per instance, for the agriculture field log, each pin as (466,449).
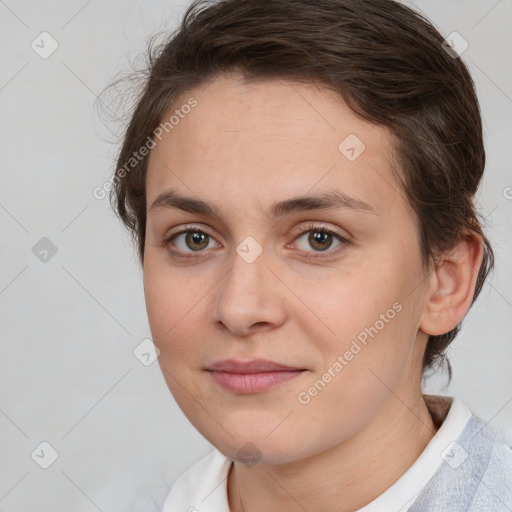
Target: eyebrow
(326,201)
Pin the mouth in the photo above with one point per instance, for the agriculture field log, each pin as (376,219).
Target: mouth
(248,377)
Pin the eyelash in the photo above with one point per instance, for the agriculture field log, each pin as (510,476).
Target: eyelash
(166,243)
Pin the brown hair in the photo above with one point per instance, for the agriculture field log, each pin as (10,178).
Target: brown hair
(387,63)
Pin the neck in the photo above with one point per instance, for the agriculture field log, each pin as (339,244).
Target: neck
(358,469)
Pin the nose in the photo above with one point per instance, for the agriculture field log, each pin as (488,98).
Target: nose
(250,298)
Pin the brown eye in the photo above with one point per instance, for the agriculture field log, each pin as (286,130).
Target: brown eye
(320,240)
(187,242)
(196,240)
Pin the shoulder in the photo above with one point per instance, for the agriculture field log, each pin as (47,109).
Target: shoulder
(494,489)
(476,474)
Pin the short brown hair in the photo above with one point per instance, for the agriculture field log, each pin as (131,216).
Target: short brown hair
(386,62)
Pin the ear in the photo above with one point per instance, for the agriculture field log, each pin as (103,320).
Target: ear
(452,286)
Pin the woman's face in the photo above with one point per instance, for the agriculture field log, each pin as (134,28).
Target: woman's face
(257,267)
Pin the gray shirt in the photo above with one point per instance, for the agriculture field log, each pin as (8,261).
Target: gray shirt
(476,476)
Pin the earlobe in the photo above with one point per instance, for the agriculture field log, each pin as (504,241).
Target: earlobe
(452,286)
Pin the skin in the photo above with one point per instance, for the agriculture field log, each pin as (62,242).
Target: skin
(242,148)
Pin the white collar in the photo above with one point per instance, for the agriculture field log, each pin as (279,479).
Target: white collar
(203,487)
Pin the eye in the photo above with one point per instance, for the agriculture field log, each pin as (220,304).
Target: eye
(320,238)
(188,241)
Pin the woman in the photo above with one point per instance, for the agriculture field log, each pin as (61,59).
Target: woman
(299,178)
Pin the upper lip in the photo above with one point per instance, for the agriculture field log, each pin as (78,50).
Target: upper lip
(253,366)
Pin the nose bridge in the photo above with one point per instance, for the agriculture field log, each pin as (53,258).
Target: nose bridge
(248,294)
(248,277)
(246,273)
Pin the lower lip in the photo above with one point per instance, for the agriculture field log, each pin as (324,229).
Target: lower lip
(248,383)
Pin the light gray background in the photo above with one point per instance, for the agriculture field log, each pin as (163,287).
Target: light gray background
(69,326)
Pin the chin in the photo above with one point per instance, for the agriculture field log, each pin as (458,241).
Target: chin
(252,447)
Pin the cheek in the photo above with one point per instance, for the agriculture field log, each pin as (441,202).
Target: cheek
(361,369)
(173,309)
(170,300)
(349,301)
(366,317)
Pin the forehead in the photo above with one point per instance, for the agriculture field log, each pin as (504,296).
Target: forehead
(258,142)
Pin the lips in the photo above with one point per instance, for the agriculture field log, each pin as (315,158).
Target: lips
(254,376)
(254,366)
